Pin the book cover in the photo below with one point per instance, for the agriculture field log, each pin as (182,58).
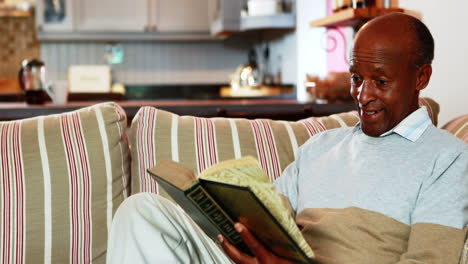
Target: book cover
(224,194)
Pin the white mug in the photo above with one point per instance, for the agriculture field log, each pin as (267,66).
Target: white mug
(58,92)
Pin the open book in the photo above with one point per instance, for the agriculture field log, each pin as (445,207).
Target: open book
(235,191)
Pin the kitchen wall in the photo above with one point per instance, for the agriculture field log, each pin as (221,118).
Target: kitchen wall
(446,20)
(302,51)
(339,44)
(201,62)
(151,62)
(448,85)
(282,62)
(312,57)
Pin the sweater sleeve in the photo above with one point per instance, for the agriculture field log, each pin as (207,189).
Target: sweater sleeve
(431,243)
(287,184)
(443,197)
(438,229)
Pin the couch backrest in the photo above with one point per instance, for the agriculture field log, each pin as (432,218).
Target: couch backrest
(201,142)
(458,127)
(63,177)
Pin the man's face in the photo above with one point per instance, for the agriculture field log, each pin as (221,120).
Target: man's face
(383,84)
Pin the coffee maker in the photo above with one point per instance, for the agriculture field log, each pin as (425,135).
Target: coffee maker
(32,79)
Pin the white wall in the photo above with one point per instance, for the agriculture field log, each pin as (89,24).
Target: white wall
(302,51)
(447,21)
(311,56)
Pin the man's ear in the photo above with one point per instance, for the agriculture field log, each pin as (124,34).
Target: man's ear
(423,75)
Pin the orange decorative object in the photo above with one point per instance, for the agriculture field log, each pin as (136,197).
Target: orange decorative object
(334,88)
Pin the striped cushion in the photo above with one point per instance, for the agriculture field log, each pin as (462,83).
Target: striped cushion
(202,142)
(458,127)
(63,176)
(432,108)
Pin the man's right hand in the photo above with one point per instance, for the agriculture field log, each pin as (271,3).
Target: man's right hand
(261,254)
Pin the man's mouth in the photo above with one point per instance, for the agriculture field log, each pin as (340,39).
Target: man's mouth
(370,114)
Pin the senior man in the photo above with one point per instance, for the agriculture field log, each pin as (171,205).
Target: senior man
(392,189)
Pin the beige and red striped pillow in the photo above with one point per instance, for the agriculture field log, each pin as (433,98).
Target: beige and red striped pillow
(458,127)
(63,177)
(432,107)
(201,142)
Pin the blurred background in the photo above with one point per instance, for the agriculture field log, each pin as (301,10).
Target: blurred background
(212,49)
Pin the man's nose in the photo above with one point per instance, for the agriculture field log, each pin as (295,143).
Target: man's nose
(366,93)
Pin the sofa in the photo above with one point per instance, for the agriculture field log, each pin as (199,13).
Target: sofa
(64,175)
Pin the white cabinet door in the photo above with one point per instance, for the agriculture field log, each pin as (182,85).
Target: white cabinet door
(112,15)
(182,16)
(224,16)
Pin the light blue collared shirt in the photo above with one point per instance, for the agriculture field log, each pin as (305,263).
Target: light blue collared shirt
(412,127)
(413,173)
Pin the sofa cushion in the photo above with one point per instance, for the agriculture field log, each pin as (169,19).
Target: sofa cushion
(458,127)
(432,108)
(63,177)
(201,142)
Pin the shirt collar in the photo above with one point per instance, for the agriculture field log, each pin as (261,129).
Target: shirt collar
(411,128)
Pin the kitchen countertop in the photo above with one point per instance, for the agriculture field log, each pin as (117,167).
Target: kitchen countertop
(169,92)
(284,109)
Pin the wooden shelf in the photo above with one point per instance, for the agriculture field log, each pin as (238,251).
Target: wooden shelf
(352,17)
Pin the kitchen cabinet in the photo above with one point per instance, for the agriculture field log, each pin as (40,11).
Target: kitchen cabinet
(122,19)
(54,15)
(276,21)
(181,16)
(143,15)
(111,15)
(224,16)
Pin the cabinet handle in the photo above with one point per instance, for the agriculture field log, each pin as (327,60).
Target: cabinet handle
(154,28)
(146,28)
(40,28)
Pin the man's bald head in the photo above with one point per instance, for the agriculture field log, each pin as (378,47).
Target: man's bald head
(406,35)
(390,64)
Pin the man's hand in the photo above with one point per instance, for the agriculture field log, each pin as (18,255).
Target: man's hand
(262,255)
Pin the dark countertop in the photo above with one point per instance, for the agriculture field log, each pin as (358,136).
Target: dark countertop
(200,100)
(158,92)
(283,109)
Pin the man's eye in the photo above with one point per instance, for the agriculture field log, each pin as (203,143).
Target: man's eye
(355,78)
(381,82)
